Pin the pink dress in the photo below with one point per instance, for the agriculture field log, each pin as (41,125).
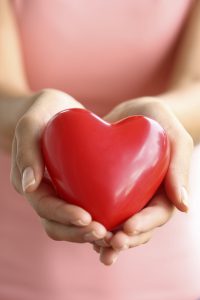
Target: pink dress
(101,52)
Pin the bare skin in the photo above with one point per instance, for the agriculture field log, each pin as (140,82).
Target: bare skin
(177,110)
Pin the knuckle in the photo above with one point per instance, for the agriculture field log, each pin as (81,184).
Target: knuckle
(155,104)
(20,158)
(42,210)
(25,123)
(184,139)
(54,95)
(27,137)
(190,141)
(143,105)
(158,105)
(134,221)
(23,129)
(48,92)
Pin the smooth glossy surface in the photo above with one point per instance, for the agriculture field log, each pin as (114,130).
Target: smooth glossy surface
(111,170)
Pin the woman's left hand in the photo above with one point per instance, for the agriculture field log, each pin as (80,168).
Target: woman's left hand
(138,229)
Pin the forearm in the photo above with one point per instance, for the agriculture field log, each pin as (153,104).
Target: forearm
(183,95)
(13,104)
(14,89)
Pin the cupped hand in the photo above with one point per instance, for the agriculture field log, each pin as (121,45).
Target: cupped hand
(61,220)
(181,143)
(138,229)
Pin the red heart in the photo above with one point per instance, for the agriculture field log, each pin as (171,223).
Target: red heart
(111,170)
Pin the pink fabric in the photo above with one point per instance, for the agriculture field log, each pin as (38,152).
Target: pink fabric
(101,52)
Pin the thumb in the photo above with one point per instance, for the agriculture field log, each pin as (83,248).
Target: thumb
(28,153)
(176,180)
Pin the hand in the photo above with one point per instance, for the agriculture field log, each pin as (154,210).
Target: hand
(61,221)
(176,180)
(138,229)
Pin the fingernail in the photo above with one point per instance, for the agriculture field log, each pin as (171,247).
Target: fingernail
(184,198)
(88,237)
(28,178)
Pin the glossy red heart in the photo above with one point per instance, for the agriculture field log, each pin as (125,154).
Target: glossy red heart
(111,170)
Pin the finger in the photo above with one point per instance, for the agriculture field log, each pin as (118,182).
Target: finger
(105,242)
(181,147)
(28,157)
(108,256)
(115,114)
(49,206)
(181,143)
(177,177)
(140,239)
(122,241)
(156,214)
(29,131)
(15,176)
(102,243)
(60,232)
(96,248)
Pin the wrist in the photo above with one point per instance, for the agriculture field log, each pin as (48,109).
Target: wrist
(12,107)
(184,102)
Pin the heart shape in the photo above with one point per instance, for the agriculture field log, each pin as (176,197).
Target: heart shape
(110,170)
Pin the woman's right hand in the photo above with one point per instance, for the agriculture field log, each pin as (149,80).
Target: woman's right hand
(62,221)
